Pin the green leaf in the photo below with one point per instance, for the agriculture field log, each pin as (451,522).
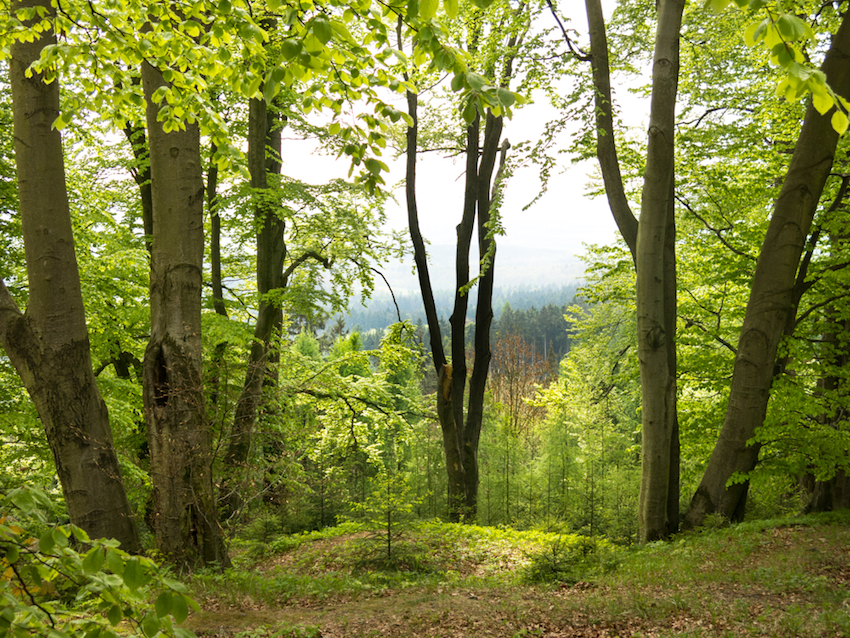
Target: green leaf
(755,32)
(274,5)
(791,27)
(59,537)
(93,560)
(475,81)
(506,97)
(716,5)
(482,4)
(12,554)
(428,9)
(374,166)
(46,542)
(290,48)
(179,608)
(115,562)
(451,7)
(164,604)
(133,576)
(457,83)
(322,30)
(150,625)
(839,122)
(114,615)
(469,112)
(822,102)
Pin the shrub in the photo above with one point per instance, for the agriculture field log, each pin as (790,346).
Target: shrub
(56,581)
(571,559)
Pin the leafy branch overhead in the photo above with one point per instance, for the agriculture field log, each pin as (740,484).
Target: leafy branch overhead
(785,36)
(336,53)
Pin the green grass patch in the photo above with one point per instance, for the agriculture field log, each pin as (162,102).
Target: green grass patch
(786,577)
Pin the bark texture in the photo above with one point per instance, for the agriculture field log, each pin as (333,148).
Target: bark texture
(185,518)
(49,343)
(657,380)
(652,244)
(771,300)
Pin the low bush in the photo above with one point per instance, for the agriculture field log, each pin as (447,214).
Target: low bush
(571,559)
(56,581)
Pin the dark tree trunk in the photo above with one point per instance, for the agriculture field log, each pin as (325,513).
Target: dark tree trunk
(185,518)
(772,299)
(49,343)
(141,173)
(264,147)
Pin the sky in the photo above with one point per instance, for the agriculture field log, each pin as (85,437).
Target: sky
(563,220)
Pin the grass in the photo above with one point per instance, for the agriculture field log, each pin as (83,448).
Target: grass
(785,577)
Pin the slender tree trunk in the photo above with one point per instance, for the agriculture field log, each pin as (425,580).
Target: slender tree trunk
(652,243)
(49,343)
(141,173)
(483,313)
(215,235)
(606,149)
(185,518)
(264,146)
(771,300)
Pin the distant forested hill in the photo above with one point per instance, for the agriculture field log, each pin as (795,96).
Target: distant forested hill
(380,311)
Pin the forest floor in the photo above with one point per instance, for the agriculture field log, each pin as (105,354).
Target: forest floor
(768,578)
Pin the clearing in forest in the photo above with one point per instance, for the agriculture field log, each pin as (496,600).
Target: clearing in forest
(788,577)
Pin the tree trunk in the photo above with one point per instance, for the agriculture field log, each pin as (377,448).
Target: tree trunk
(141,173)
(185,518)
(652,243)
(264,147)
(483,315)
(49,343)
(771,300)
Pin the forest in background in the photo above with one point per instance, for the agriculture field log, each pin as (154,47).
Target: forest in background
(164,382)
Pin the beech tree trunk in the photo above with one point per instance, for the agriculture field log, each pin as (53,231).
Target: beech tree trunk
(264,147)
(49,343)
(771,300)
(185,520)
(652,244)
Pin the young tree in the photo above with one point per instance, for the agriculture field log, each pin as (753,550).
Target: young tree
(462,428)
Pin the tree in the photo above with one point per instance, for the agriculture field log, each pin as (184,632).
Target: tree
(652,244)
(462,429)
(772,299)
(49,343)
(185,519)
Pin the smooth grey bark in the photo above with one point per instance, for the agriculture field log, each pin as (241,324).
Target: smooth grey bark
(606,148)
(49,343)
(772,299)
(652,244)
(185,519)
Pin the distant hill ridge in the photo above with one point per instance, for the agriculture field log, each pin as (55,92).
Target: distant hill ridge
(516,267)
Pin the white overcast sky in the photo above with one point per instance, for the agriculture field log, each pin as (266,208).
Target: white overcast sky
(563,219)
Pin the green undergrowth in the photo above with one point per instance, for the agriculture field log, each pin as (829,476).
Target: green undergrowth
(334,562)
(782,577)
